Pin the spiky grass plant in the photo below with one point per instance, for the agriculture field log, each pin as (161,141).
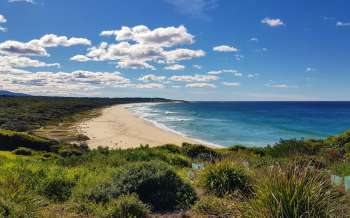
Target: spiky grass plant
(294,192)
(225,178)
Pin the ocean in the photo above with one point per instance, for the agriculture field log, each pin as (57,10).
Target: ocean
(248,123)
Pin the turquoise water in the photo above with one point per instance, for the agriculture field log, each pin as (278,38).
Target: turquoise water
(249,123)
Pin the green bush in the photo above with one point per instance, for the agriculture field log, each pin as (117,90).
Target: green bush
(156,184)
(225,178)
(292,147)
(294,192)
(23,151)
(97,187)
(199,152)
(126,206)
(211,206)
(16,197)
(171,148)
(10,140)
(58,189)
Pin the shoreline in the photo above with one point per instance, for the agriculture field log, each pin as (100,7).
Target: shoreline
(117,127)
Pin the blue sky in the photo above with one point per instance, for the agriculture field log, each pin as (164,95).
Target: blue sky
(184,49)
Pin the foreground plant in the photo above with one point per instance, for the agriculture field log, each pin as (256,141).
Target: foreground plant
(294,192)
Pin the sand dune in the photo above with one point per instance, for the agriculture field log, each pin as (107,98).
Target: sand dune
(117,127)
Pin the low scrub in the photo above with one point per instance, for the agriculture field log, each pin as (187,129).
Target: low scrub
(23,151)
(294,192)
(225,178)
(211,206)
(290,148)
(157,185)
(11,140)
(199,152)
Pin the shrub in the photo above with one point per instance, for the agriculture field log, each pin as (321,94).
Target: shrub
(23,151)
(16,198)
(97,187)
(294,192)
(225,178)
(157,185)
(211,206)
(289,148)
(171,148)
(10,140)
(199,152)
(58,189)
(126,206)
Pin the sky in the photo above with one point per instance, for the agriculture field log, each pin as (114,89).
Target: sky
(222,50)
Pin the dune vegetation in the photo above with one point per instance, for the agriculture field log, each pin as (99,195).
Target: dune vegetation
(42,177)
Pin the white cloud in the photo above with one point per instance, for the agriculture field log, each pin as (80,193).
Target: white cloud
(195,78)
(225,48)
(3,29)
(281,86)
(22,62)
(182,54)
(200,85)
(339,23)
(151,77)
(272,22)
(19,48)
(175,67)
(196,66)
(58,83)
(138,46)
(196,8)
(2,19)
(163,36)
(310,69)
(37,46)
(252,75)
(26,1)
(254,39)
(133,64)
(150,86)
(231,84)
(239,57)
(80,58)
(217,72)
(52,40)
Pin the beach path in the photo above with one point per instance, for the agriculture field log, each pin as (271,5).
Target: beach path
(117,127)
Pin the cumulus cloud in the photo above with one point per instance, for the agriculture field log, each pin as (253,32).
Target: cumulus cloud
(136,47)
(23,62)
(151,77)
(26,1)
(217,72)
(195,8)
(195,78)
(52,40)
(196,66)
(281,86)
(11,47)
(342,24)
(254,39)
(149,86)
(58,83)
(200,85)
(272,22)
(225,48)
(163,36)
(231,84)
(37,46)
(2,19)
(175,67)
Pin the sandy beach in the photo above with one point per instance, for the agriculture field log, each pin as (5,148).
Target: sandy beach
(117,127)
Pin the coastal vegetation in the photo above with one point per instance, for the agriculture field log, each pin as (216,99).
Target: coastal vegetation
(42,177)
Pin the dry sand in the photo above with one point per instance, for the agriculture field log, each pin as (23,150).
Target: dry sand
(117,127)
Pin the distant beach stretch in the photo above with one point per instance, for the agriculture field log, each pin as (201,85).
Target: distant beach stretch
(117,127)
(215,123)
